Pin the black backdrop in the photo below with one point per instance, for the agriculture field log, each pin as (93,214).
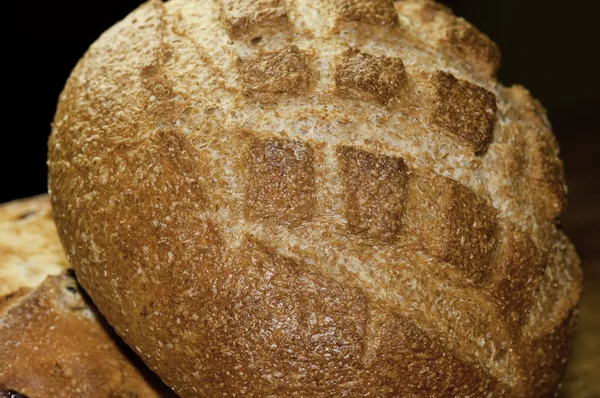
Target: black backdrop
(547,46)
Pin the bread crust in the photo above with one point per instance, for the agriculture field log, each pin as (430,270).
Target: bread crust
(53,341)
(53,344)
(310,233)
(29,246)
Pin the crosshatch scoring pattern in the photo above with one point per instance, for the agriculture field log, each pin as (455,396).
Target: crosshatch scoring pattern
(399,246)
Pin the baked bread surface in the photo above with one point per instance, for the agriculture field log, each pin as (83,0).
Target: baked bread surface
(53,343)
(316,198)
(29,246)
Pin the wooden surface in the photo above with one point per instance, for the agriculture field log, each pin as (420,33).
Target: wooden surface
(580,144)
(583,375)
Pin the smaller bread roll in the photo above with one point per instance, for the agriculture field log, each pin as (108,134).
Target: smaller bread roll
(53,343)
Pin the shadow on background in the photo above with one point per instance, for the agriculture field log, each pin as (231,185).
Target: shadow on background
(549,47)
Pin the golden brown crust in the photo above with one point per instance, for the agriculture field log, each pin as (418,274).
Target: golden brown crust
(249,17)
(366,76)
(54,344)
(375,192)
(548,357)
(312,328)
(29,246)
(559,288)
(464,110)
(544,168)
(452,223)
(404,353)
(280,180)
(267,230)
(374,12)
(465,41)
(284,71)
(521,265)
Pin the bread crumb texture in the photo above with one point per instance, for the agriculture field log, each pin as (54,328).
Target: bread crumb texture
(316,198)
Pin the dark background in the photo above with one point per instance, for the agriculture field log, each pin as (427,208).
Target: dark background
(551,47)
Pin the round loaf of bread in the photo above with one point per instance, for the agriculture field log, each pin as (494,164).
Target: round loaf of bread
(316,198)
